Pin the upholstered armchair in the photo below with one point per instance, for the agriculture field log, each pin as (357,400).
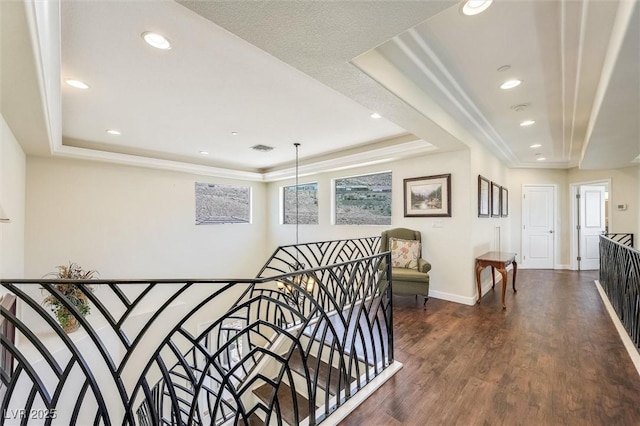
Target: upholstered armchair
(409,271)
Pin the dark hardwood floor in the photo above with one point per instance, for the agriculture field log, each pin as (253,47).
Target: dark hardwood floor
(552,358)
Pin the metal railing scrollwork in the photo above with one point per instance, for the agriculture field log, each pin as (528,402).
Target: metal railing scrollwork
(286,347)
(622,238)
(620,279)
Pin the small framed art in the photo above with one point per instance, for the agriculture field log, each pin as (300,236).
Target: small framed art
(428,196)
(504,202)
(484,196)
(495,199)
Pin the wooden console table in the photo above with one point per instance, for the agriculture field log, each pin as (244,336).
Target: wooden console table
(500,260)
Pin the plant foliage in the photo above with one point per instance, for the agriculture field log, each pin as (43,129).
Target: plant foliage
(74,293)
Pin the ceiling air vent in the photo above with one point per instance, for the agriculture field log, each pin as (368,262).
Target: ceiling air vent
(520,107)
(263,148)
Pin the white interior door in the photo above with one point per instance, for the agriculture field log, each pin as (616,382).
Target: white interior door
(592,222)
(538,219)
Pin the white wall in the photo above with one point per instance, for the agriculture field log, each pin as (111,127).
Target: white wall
(488,233)
(624,189)
(12,199)
(446,247)
(129,222)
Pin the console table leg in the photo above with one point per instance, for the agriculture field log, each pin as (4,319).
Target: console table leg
(503,272)
(493,276)
(478,270)
(515,271)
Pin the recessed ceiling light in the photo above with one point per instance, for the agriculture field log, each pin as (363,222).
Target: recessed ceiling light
(376,115)
(234,133)
(114,132)
(473,7)
(510,84)
(535,145)
(204,152)
(156,40)
(77,84)
(540,159)
(527,123)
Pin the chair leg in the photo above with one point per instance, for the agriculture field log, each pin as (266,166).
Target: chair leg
(425,302)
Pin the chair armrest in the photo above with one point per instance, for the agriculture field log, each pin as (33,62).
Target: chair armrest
(423,265)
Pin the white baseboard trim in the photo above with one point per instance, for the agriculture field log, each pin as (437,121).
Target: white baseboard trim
(555,267)
(353,403)
(465,300)
(624,336)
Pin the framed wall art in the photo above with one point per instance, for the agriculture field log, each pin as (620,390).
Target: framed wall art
(484,196)
(428,196)
(504,202)
(495,199)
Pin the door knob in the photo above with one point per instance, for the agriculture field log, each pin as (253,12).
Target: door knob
(551,231)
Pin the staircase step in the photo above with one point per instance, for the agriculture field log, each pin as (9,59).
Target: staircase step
(338,328)
(253,420)
(285,400)
(324,372)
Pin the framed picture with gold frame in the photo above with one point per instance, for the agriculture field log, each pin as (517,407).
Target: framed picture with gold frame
(428,196)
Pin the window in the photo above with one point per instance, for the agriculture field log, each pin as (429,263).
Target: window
(363,200)
(222,204)
(307,204)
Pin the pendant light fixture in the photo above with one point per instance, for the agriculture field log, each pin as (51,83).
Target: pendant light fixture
(297,145)
(305,281)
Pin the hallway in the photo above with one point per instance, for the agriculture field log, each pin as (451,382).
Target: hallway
(553,357)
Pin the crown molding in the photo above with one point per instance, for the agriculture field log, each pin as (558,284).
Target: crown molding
(154,163)
(623,19)
(452,91)
(43,19)
(354,159)
(342,162)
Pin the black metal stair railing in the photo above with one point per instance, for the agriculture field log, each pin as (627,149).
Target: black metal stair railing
(623,238)
(8,332)
(197,352)
(620,279)
(317,254)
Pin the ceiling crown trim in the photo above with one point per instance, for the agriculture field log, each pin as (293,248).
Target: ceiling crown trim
(45,37)
(623,20)
(462,101)
(356,159)
(569,118)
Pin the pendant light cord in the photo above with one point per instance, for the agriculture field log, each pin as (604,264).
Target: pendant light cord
(297,145)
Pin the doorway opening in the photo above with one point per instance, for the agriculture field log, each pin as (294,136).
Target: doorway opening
(590,217)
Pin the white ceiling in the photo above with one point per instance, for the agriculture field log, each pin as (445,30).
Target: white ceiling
(558,49)
(176,103)
(312,72)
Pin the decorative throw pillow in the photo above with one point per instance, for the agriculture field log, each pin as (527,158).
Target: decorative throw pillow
(404,253)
